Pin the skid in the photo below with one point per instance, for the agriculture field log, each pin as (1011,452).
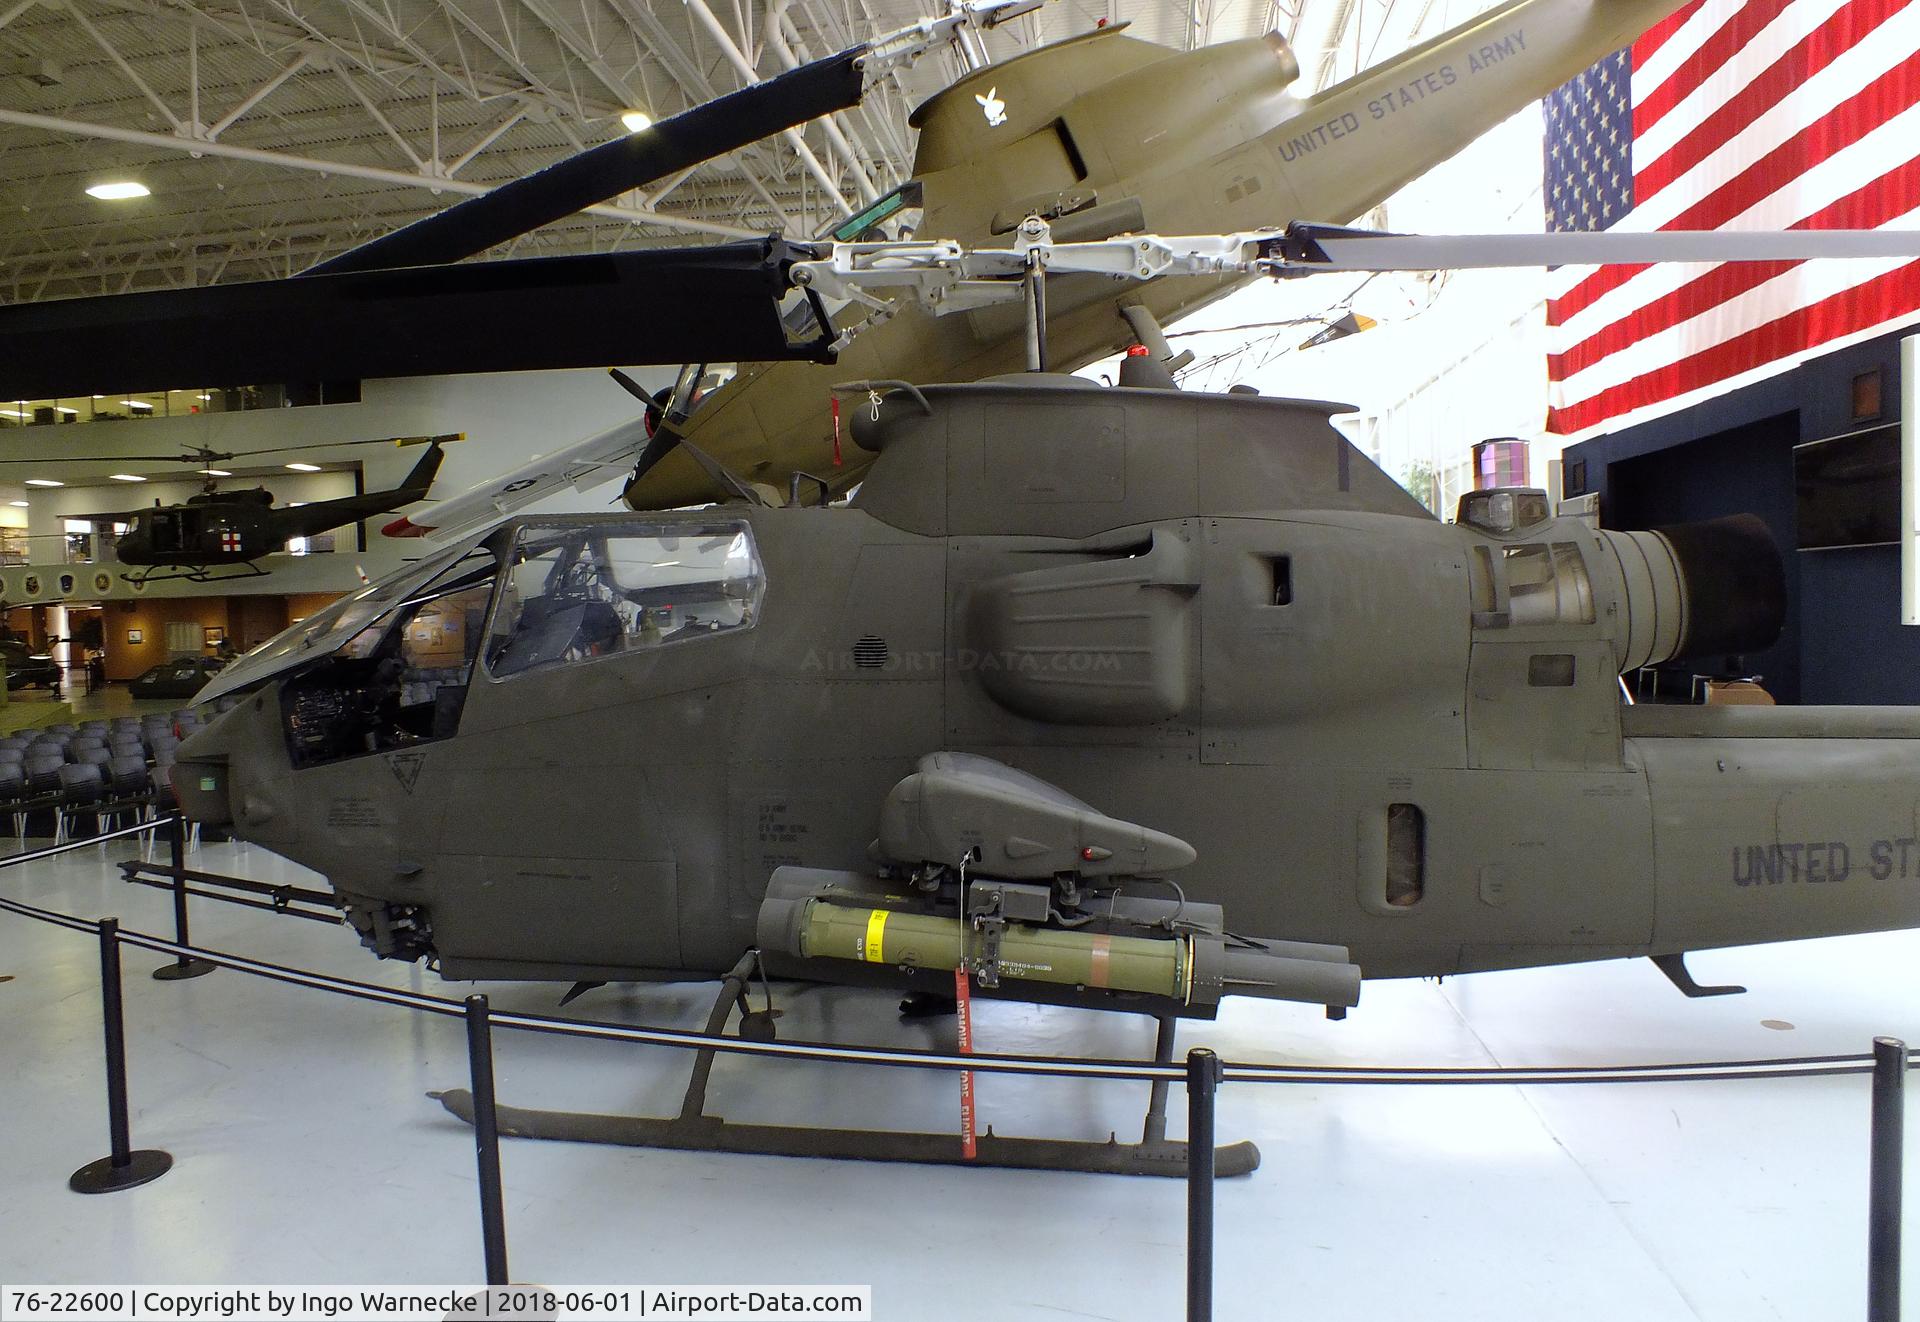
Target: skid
(713,1134)
(693,1130)
(193,573)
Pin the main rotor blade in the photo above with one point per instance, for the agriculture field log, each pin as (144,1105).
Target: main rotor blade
(720,304)
(719,126)
(117,459)
(1333,248)
(207,459)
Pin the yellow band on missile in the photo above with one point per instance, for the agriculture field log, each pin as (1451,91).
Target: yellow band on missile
(876,930)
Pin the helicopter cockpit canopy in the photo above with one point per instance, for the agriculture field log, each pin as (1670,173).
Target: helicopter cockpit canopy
(571,590)
(576,592)
(325,631)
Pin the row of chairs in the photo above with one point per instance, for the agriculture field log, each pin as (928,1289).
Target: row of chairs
(56,779)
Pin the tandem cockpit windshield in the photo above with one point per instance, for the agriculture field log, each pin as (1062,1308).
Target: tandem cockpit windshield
(391,665)
(579,593)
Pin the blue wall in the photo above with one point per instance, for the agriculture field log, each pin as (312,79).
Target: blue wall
(1843,642)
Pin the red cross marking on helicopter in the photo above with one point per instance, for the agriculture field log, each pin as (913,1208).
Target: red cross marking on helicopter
(229,541)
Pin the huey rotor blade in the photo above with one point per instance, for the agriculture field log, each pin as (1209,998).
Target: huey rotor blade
(713,129)
(120,459)
(208,458)
(1316,248)
(721,304)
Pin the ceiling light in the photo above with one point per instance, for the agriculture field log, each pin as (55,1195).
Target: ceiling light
(18,504)
(304,468)
(14,413)
(635,120)
(60,408)
(216,472)
(204,395)
(44,482)
(136,404)
(118,191)
(126,477)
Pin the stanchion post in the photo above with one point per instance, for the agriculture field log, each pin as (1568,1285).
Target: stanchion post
(122,1168)
(1883,1189)
(486,1139)
(1203,1083)
(183,966)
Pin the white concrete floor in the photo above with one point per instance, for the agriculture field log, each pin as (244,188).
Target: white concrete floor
(307,1152)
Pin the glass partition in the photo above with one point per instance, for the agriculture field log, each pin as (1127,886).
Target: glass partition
(139,405)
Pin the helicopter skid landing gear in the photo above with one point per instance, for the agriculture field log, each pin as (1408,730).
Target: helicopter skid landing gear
(693,1130)
(193,574)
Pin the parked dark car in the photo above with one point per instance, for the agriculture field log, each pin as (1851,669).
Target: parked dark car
(27,668)
(181,677)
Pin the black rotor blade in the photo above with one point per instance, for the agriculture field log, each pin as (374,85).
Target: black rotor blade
(445,438)
(208,458)
(718,304)
(121,458)
(719,126)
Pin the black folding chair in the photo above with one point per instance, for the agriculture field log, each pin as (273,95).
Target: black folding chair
(41,817)
(83,790)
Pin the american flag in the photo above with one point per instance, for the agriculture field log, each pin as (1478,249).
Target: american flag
(1730,114)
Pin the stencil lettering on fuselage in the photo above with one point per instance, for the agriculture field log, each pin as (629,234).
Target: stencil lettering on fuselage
(354,813)
(1818,862)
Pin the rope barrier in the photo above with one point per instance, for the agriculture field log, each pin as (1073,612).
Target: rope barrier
(126,1167)
(1040,1066)
(35,855)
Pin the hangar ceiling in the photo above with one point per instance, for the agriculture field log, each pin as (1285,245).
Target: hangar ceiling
(273,133)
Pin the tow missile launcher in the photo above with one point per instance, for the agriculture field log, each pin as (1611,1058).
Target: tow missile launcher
(989,868)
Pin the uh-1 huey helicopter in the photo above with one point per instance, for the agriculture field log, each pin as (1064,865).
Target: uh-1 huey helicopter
(218,529)
(220,534)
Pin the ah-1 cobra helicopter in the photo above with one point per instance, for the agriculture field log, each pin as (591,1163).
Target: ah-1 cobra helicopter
(1116,697)
(1100,134)
(1071,656)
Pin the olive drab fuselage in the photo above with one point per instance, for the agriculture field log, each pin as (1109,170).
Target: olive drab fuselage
(1209,615)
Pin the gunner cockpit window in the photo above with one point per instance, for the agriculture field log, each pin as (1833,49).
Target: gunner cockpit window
(574,593)
(400,678)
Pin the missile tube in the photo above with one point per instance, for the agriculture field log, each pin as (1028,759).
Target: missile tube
(1191,969)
